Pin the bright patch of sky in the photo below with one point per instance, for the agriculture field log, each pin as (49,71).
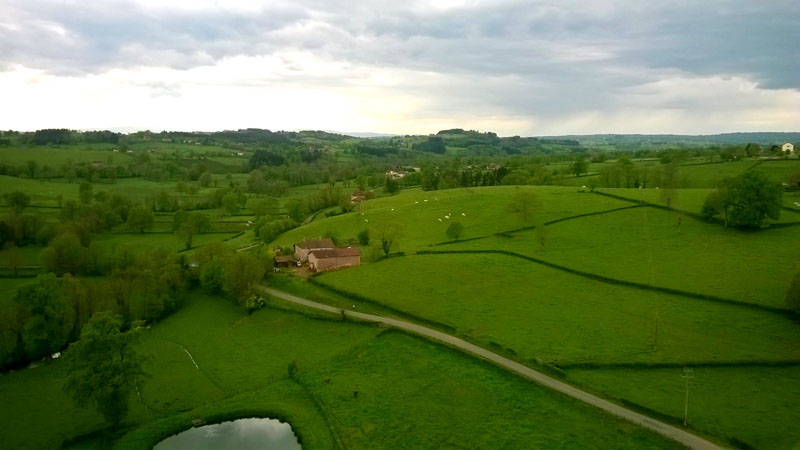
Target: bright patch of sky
(514,67)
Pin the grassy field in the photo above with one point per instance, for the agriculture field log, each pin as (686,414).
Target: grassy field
(241,370)
(545,313)
(481,210)
(536,312)
(646,245)
(54,157)
(752,404)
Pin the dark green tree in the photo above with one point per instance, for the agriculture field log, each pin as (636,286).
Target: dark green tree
(104,368)
(391,186)
(85,192)
(753,197)
(454,230)
(140,218)
(17,201)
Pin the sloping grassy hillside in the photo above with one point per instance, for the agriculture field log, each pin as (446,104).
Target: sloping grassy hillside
(212,361)
(646,245)
(482,211)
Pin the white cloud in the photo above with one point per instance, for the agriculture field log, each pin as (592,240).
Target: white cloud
(545,67)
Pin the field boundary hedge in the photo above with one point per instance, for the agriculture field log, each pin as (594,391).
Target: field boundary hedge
(677,365)
(531,227)
(359,298)
(615,281)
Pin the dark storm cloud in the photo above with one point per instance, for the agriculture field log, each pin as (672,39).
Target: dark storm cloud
(591,45)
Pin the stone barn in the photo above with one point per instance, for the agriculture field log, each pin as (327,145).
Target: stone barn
(337,258)
(302,249)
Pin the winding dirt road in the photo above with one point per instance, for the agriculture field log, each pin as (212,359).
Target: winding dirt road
(684,437)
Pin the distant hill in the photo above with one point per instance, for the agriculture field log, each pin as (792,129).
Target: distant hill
(724,138)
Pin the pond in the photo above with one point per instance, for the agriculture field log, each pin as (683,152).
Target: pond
(244,434)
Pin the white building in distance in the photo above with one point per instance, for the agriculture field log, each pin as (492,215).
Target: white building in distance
(788,148)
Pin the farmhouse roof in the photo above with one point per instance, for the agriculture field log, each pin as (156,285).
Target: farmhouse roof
(284,258)
(316,243)
(339,252)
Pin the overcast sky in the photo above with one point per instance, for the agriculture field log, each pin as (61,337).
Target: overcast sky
(513,67)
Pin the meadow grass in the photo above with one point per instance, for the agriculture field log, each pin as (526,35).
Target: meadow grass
(481,211)
(54,157)
(407,387)
(237,354)
(416,394)
(544,313)
(755,405)
(646,245)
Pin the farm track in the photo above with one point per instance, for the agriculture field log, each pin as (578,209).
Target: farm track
(669,431)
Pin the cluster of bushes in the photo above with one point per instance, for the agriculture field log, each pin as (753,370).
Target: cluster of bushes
(50,312)
(221,270)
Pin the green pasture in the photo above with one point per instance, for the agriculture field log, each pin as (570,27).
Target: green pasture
(54,157)
(691,200)
(545,313)
(453,402)
(44,193)
(422,216)
(412,393)
(646,245)
(755,405)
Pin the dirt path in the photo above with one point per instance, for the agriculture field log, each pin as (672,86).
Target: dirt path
(684,437)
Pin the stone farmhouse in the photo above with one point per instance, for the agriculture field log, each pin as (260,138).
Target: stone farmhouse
(788,148)
(302,249)
(322,255)
(337,258)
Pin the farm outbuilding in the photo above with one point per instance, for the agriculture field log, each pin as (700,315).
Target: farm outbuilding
(788,148)
(283,261)
(302,249)
(337,258)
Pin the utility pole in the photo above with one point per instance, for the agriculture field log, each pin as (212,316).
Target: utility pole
(687,374)
(655,333)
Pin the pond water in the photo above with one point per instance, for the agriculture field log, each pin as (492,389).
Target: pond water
(244,434)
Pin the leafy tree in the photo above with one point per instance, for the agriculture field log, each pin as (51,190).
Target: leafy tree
(205,179)
(187,225)
(541,233)
(262,206)
(297,209)
(13,257)
(391,186)
(104,368)
(17,201)
(140,218)
(523,204)
(242,272)
(363,237)
(454,230)
(387,233)
(230,202)
(716,203)
(793,295)
(753,197)
(211,276)
(580,165)
(85,192)
(49,319)
(65,254)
